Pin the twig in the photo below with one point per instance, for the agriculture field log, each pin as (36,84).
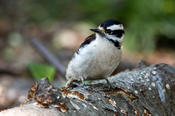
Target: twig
(49,56)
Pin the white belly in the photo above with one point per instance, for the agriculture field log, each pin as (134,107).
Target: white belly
(97,60)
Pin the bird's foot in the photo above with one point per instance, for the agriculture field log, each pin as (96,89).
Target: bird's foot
(74,83)
(77,84)
(109,86)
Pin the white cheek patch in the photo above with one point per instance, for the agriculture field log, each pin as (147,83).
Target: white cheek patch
(115,27)
(115,38)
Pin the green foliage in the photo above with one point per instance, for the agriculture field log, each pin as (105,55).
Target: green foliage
(146,21)
(42,70)
(143,19)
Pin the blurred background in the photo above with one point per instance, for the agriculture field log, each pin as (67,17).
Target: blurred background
(61,26)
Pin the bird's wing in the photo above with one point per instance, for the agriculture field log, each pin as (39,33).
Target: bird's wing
(87,41)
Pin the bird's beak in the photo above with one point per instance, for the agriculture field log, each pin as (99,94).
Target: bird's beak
(97,31)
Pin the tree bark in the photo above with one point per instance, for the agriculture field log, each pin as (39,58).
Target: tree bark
(145,91)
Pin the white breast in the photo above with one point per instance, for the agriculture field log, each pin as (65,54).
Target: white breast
(96,60)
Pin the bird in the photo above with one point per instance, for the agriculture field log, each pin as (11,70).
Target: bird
(99,55)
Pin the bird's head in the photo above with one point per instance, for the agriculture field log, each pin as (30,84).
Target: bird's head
(110,29)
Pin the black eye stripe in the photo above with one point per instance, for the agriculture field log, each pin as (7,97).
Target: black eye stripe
(108,31)
(119,33)
(115,32)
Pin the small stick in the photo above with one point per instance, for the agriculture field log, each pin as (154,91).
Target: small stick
(49,56)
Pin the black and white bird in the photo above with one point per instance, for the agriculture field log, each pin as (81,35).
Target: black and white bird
(99,55)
